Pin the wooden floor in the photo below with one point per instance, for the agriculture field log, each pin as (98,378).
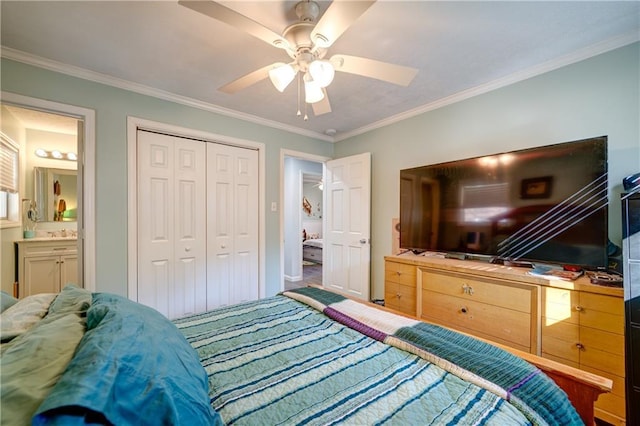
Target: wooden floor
(312,274)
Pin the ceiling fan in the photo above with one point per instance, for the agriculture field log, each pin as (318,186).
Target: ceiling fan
(306,42)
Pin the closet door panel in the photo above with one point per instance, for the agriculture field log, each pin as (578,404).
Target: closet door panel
(246,224)
(219,227)
(171,224)
(245,288)
(232,224)
(221,282)
(155,233)
(190,282)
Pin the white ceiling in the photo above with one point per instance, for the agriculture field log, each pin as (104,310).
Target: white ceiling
(460,48)
(39,120)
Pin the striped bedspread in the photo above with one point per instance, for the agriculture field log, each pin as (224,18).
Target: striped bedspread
(313,357)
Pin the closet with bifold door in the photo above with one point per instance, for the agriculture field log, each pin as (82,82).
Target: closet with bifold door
(197,224)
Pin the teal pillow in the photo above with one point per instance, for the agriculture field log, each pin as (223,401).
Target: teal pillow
(71,299)
(6,301)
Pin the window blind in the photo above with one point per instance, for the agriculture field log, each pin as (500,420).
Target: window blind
(8,165)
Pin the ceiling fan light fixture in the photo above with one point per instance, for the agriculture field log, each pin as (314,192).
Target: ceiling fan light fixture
(281,76)
(322,72)
(312,91)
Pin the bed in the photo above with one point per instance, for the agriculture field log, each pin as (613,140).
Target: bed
(312,250)
(307,356)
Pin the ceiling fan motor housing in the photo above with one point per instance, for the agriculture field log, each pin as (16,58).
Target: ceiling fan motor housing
(307,11)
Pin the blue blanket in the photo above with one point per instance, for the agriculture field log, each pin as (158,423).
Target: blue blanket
(322,359)
(131,367)
(520,383)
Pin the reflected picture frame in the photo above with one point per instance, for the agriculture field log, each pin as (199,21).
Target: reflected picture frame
(538,187)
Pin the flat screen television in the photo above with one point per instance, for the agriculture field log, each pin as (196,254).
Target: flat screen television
(546,204)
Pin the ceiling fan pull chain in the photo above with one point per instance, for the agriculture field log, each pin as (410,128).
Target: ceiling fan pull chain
(298,113)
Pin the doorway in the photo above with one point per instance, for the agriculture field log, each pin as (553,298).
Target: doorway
(302,219)
(84,121)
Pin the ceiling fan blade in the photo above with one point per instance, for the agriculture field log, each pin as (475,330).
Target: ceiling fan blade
(323,106)
(229,16)
(248,80)
(396,74)
(337,18)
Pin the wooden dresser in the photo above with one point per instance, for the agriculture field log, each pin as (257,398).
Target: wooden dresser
(576,323)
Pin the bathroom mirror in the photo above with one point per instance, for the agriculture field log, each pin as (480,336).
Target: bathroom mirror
(56,194)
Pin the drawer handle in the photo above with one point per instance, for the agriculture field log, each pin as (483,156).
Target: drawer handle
(580,346)
(467,289)
(464,310)
(579,308)
(398,295)
(398,273)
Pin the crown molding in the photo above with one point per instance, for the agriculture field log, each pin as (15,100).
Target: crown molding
(51,65)
(577,56)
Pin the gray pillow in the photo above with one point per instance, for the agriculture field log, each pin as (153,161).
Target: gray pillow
(6,301)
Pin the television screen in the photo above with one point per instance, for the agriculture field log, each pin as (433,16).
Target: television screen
(545,204)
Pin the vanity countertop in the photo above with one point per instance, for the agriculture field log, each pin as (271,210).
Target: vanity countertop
(52,239)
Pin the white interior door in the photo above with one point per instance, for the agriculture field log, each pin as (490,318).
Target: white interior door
(171,224)
(232,230)
(347,226)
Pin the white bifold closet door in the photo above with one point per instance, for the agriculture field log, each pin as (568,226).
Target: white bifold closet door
(171,224)
(232,230)
(197,224)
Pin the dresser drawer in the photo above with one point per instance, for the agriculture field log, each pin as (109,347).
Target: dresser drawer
(513,296)
(312,253)
(602,340)
(558,305)
(609,405)
(559,340)
(602,360)
(601,312)
(400,297)
(400,273)
(502,323)
(48,248)
(612,403)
